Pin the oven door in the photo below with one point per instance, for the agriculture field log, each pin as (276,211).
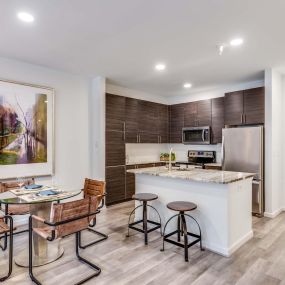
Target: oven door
(197,135)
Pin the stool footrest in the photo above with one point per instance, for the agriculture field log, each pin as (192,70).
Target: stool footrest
(198,239)
(158,225)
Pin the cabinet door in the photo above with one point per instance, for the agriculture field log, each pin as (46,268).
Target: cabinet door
(204,113)
(115,112)
(234,108)
(115,184)
(130,185)
(253,106)
(148,117)
(163,123)
(132,137)
(132,119)
(147,137)
(176,122)
(217,119)
(115,148)
(190,114)
(130,182)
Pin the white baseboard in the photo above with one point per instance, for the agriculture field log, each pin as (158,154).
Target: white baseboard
(228,251)
(274,214)
(240,242)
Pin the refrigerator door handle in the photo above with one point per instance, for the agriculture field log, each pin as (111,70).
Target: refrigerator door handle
(223,152)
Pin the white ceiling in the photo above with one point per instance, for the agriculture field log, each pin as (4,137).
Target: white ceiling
(123,39)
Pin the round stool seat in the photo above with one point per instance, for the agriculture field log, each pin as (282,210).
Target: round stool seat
(181,206)
(144,197)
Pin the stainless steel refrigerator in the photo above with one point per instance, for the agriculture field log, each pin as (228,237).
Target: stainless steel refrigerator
(242,150)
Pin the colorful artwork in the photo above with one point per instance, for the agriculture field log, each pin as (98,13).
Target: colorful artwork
(23,129)
(26,130)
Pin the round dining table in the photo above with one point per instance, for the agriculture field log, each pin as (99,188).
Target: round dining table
(43,251)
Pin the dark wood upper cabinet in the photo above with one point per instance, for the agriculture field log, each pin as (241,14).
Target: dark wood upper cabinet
(197,114)
(163,123)
(115,112)
(204,113)
(146,122)
(245,107)
(131,114)
(234,108)
(176,122)
(218,122)
(190,114)
(253,102)
(148,117)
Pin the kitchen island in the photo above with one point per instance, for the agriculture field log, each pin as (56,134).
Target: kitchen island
(224,201)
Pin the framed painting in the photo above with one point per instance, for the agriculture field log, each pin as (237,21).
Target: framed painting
(26,130)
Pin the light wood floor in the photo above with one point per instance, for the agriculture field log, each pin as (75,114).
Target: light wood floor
(128,261)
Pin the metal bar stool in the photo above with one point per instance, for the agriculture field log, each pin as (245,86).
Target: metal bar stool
(144,198)
(182,207)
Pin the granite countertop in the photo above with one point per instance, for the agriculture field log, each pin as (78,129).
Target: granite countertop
(218,164)
(194,174)
(145,162)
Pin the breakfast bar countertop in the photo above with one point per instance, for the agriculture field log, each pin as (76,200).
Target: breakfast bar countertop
(195,174)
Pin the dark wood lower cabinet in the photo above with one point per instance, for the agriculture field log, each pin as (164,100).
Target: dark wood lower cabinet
(115,184)
(130,185)
(115,148)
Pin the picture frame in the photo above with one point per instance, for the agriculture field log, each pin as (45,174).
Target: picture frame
(26,130)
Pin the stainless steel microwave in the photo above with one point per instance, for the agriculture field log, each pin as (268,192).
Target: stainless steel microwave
(196,135)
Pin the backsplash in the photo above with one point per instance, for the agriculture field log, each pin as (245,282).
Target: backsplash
(181,150)
(144,153)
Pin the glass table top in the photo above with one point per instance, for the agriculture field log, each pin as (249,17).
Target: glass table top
(34,198)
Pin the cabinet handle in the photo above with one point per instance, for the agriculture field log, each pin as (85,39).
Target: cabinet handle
(244,118)
(139,138)
(124,130)
(241,118)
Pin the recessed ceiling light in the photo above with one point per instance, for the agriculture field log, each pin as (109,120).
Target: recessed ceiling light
(236,42)
(160,66)
(26,17)
(187,85)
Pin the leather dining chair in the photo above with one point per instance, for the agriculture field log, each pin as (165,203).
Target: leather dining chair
(94,188)
(13,210)
(4,229)
(65,219)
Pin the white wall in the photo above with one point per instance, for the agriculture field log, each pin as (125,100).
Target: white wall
(214,93)
(118,90)
(97,127)
(274,142)
(72,159)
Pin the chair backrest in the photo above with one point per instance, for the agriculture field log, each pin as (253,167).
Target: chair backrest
(70,210)
(6,186)
(94,188)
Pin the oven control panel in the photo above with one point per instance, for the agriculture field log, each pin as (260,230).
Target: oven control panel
(201,153)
